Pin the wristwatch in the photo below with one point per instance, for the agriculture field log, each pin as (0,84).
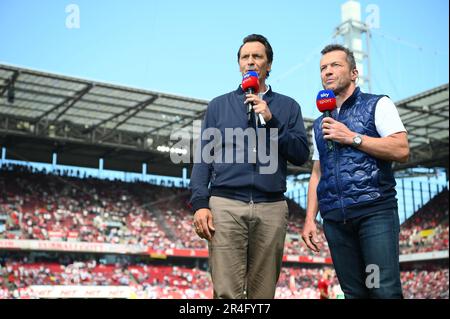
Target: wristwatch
(357,140)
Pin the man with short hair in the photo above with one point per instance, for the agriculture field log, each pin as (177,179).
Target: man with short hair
(353,185)
(243,214)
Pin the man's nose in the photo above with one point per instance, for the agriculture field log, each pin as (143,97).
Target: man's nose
(328,71)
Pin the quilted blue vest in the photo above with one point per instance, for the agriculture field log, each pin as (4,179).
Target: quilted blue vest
(350,177)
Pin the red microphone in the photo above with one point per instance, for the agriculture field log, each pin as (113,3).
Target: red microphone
(250,84)
(326,103)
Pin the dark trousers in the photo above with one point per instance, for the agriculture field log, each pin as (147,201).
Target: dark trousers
(365,253)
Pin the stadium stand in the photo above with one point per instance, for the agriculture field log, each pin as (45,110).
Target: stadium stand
(25,276)
(427,229)
(36,205)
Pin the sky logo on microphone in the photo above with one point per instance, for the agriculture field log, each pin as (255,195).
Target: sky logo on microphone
(326,101)
(250,82)
(249,74)
(325,94)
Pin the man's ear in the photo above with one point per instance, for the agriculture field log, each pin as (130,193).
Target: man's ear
(355,74)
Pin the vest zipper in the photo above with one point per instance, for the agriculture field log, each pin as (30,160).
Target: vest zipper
(336,172)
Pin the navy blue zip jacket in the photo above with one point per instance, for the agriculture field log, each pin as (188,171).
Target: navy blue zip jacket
(243,180)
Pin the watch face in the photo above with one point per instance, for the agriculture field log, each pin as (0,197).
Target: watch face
(357,140)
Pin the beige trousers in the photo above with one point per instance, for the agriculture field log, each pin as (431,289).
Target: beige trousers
(246,251)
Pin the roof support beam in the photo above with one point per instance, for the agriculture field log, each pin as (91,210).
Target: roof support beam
(138,106)
(78,97)
(71,100)
(9,82)
(136,109)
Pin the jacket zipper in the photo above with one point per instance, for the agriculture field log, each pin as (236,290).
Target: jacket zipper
(254,149)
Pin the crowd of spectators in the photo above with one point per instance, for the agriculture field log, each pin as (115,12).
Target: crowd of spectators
(425,284)
(427,229)
(19,275)
(37,205)
(42,206)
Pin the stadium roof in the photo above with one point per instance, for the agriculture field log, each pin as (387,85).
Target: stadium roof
(82,118)
(425,116)
(82,121)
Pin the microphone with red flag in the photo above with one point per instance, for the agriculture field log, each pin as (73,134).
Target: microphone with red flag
(250,84)
(326,103)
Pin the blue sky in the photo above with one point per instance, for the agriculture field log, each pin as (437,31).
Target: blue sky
(189,47)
